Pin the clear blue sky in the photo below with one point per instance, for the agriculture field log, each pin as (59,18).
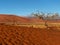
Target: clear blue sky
(24,7)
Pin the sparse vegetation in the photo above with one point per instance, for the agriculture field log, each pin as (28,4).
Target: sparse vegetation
(46,17)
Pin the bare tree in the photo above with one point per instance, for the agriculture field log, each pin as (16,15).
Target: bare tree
(39,15)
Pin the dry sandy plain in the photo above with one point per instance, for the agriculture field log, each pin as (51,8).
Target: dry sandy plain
(28,34)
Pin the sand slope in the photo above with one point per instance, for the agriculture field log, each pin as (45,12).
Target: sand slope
(16,35)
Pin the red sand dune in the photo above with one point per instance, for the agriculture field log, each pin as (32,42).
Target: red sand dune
(14,18)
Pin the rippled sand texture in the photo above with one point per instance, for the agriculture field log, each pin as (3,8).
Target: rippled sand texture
(16,35)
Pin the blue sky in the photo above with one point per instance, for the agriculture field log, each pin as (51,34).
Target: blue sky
(25,7)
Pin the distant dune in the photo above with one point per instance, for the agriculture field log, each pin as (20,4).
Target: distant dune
(21,19)
(13,18)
